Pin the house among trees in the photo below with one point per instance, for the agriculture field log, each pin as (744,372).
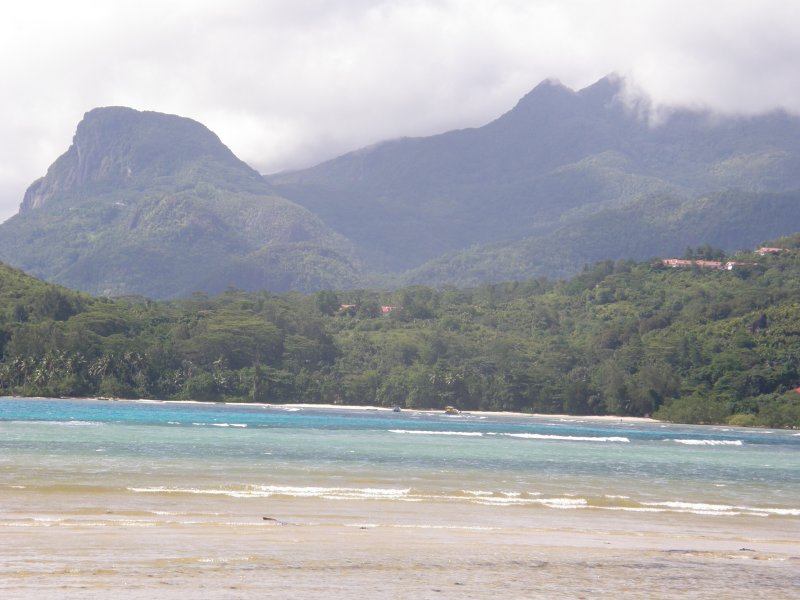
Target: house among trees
(731,265)
(705,264)
(682,262)
(384,310)
(677,262)
(707,252)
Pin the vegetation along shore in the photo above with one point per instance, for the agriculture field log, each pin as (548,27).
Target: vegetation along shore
(679,343)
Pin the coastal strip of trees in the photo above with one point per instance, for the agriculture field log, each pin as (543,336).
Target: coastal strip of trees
(689,344)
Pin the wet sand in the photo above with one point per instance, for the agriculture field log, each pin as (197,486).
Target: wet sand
(205,548)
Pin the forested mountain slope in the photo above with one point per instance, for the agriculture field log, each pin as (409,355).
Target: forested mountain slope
(692,344)
(154,204)
(559,161)
(660,225)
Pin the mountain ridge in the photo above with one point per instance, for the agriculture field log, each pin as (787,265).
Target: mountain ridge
(119,147)
(154,204)
(558,153)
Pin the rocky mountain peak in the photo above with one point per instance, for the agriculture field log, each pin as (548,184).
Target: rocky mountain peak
(118,146)
(551,97)
(604,91)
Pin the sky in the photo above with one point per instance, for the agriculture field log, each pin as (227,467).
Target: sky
(289,83)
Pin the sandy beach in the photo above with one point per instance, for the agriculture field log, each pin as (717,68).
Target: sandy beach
(431,411)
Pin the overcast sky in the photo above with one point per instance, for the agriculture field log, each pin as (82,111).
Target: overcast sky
(289,83)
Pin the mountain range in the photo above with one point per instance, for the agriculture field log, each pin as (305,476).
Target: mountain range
(563,179)
(154,204)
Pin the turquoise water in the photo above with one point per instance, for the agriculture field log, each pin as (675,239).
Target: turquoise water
(149,449)
(142,500)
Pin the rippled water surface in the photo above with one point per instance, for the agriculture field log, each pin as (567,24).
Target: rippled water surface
(189,490)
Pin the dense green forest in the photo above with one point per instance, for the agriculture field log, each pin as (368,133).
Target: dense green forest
(690,344)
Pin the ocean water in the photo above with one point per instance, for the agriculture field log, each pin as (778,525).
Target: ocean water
(99,495)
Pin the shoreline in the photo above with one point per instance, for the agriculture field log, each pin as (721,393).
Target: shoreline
(371,408)
(480,413)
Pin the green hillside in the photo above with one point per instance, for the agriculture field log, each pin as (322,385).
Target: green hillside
(660,225)
(557,166)
(690,344)
(152,204)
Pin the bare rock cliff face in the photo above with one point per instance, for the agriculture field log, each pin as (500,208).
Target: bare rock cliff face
(36,196)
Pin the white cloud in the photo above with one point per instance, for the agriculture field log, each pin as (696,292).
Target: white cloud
(286,83)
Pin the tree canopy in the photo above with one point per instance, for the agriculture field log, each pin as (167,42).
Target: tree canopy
(690,344)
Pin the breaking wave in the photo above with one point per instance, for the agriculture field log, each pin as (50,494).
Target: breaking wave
(709,442)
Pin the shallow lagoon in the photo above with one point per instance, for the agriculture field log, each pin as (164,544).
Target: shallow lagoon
(232,501)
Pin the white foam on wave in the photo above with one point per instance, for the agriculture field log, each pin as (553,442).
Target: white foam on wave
(785,512)
(641,509)
(395,494)
(229,425)
(485,493)
(267,491)
(418,432)
(701,508)
(481,497)
(73,423)
(692,442)
(340,493)
(693,506)
(568,438)
(561,502)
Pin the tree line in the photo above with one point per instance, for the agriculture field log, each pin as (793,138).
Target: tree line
(621,338)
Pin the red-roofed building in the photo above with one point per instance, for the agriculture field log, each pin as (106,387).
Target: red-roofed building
(682,262)
(764,250)
(709,264)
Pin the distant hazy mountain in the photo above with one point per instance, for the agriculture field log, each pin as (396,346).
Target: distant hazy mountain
(654,226)
(154,204)
(563,178)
